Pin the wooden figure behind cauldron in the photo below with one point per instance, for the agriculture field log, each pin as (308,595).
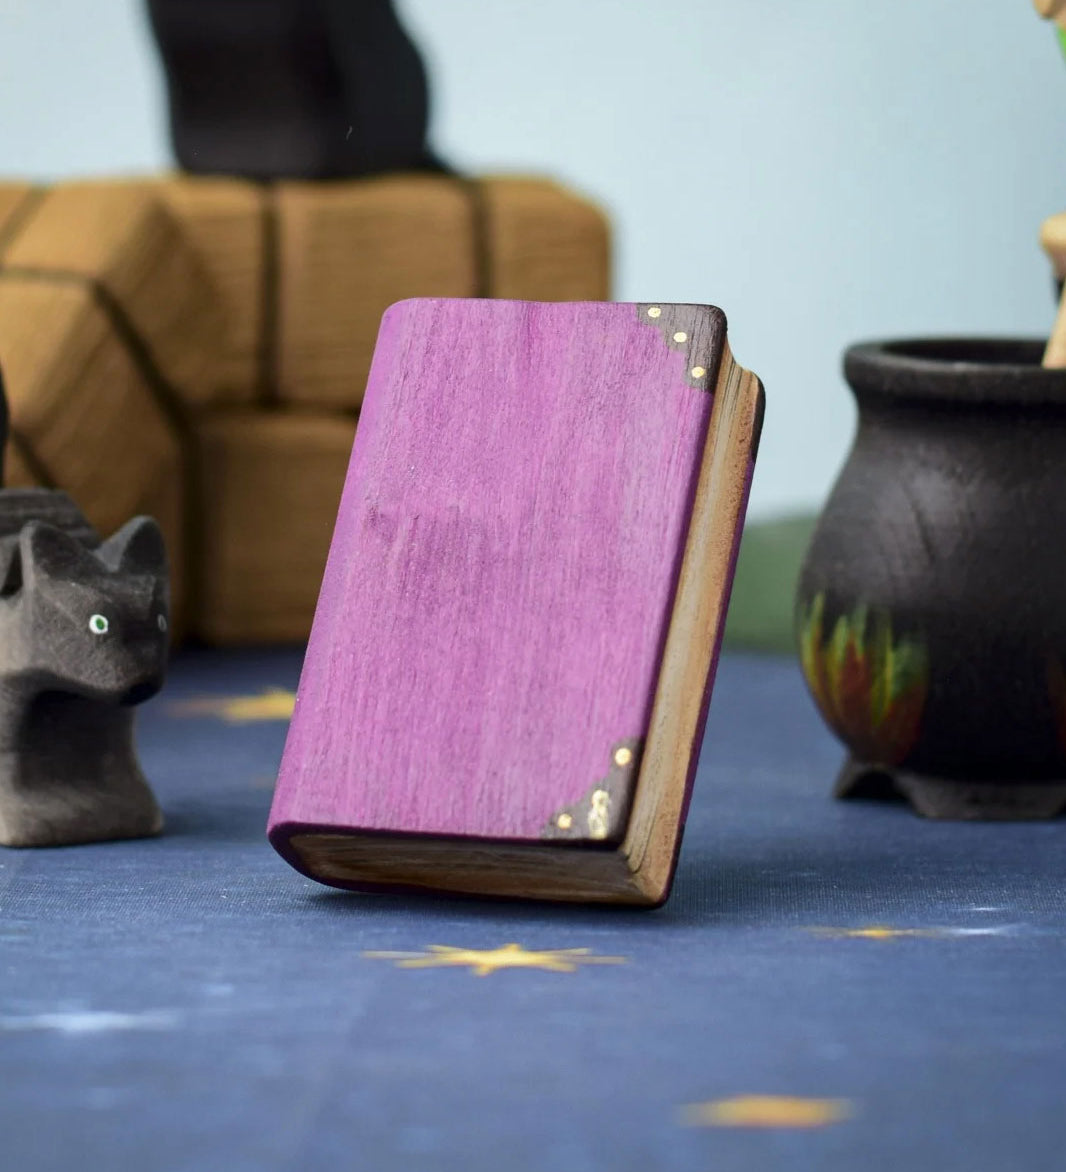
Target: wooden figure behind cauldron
(83,638)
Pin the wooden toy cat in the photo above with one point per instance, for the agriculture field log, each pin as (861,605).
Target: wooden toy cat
(83,638)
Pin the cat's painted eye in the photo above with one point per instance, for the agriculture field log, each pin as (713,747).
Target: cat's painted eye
(161,621)
(98,624)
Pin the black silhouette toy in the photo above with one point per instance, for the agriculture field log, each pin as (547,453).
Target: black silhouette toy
(291,89)
(83,638)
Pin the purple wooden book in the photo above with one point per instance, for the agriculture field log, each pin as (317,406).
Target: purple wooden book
(507,679)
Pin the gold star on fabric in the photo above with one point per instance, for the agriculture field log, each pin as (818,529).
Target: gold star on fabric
(483,961)
(767,1111)
(874,932)
(882,932)
(271,704)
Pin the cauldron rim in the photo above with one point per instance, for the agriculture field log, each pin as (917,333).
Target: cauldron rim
(955,369)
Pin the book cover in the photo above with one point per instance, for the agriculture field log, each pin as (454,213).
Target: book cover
(507,677)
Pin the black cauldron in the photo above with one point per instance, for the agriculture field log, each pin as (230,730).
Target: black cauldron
(931,608)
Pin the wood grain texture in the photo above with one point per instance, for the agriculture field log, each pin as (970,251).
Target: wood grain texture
(225,224)
(83,414)
(500,587)
(121,237)
(696,627)
(272,482)
(470,866)
(511,526)
(346,251)
(543,242)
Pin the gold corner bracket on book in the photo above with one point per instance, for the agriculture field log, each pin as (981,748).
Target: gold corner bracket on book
(694,633)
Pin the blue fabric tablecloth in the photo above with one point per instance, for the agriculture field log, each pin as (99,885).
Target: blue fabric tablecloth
(830,987)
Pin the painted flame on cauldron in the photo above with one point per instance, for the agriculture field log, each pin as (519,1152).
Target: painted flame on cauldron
(870,685)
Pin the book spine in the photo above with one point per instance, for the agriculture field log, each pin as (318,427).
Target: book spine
(693,641)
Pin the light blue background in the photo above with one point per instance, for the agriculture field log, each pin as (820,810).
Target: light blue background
(825,171)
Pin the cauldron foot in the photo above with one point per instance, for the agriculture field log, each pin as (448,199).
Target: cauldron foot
(950,799)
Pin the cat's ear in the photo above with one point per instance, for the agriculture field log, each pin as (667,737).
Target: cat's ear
(137,548)
(45,550)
